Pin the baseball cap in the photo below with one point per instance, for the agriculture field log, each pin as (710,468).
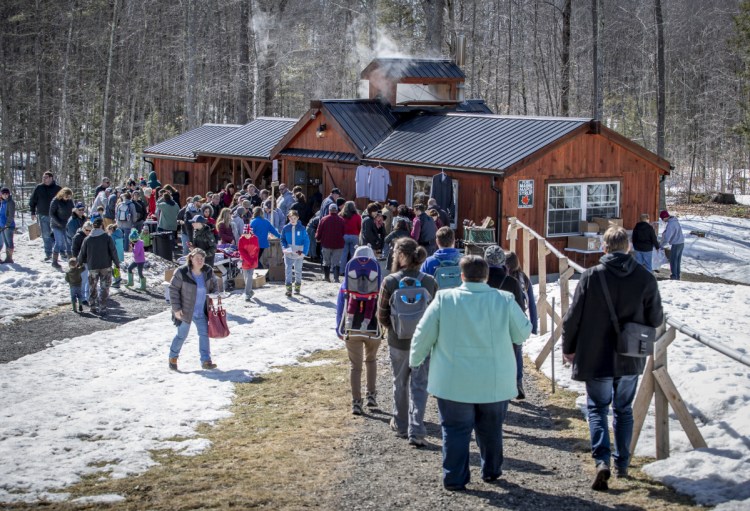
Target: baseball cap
(80,206)
(96,218)
(198,219)
(197,198)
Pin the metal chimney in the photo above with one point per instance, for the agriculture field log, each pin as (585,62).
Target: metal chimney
(460,59)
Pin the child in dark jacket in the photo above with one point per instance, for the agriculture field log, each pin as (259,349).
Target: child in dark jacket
(74,279)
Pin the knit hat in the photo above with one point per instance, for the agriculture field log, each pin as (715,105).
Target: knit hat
(494,255)
(664,214)
(5,189)
(247,229)
(133,236)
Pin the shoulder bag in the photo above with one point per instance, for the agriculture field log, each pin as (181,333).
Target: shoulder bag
(634,339)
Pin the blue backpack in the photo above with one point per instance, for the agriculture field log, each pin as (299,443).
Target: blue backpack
(448,274)
(408,304)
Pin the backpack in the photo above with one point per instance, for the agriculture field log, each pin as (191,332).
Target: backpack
(408,304)
(123,213)
(448,274)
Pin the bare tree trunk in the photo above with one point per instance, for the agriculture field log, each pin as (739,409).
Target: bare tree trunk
(104,164)
(189,52)
(660,95)
(434,30)
(64,93)
(510,55)
(565,61)
(597,97)
(243,89)
(42,151)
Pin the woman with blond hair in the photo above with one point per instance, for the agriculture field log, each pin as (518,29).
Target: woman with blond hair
(60,210)
(188,296)
(224,225)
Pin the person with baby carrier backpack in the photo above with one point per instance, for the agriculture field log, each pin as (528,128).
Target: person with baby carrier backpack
(443,264)
(404,297)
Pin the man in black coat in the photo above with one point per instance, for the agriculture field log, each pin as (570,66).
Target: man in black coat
(39,203)
(99,254)
(644,241)
(589,340)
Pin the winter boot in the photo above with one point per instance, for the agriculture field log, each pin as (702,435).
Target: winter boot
(289,290)
(173,364)
(327,273)
(8,256)
(74,306)
(143,284)
(130,279)
(55,263)
(297,288)
(208,365)
(336,274)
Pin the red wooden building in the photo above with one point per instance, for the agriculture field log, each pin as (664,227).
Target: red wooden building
(548,172)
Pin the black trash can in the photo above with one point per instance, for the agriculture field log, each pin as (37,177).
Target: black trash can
(163,244)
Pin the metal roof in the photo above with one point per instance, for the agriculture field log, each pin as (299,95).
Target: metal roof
(399,68)
(471,141)
(253,140)
(321,155)
(367,122)
(183,146)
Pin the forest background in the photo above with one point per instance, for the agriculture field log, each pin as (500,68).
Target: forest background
(85,85)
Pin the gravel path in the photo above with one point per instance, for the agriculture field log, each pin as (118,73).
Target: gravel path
(540,471)
(35,334)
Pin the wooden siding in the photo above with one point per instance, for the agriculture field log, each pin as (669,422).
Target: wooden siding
(587,157)
(197,176)
(307,138)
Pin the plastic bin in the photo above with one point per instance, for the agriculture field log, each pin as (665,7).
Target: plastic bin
(163,243)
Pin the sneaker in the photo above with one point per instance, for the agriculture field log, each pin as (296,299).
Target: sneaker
(248,298)
(357,407)
(173,364)
(621,472)
(394,428)
(602,476)
(371,401)
(491,479)
(417,442)
(208,365)
(80,307)
(521,394)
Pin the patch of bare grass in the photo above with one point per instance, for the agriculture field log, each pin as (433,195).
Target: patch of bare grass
(638,489)
(280,449)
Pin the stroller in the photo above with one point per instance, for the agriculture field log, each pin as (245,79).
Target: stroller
(358,297)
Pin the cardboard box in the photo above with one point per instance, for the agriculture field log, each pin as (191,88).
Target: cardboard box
(604,223)
(585,227)
(275,273)
(35,231)
(586,243)
(239,281)
(259,278)
(168,274)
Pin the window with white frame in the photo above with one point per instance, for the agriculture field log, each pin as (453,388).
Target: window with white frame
(569,203)
(418,190)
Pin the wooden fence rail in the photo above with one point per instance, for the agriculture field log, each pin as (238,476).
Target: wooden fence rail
(656,382)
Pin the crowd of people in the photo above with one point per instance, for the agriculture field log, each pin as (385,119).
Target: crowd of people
(454,323)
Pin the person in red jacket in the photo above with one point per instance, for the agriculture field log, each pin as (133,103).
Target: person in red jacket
(330,235)
(352,229)
(249,253)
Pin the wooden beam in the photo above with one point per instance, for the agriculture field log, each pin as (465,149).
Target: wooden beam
(526,247)
(261,167)
(246,166)
(642,402)
(546,308)
(678,405)
(661,403)
(213,165)
(541,252)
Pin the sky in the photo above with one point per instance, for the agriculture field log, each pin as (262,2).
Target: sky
(100,403)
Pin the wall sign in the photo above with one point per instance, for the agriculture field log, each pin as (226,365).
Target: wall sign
(275,170)
(526,193)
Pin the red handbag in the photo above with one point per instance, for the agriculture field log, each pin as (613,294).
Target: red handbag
(217,320)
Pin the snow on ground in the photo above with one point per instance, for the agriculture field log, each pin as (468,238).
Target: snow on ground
(101,402)
(715,388)
(743,199)
(31,286)
(725,250)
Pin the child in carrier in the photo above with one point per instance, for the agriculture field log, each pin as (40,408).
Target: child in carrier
(362,284)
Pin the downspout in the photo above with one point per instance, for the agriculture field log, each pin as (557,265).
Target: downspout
(146,160)
(498,208)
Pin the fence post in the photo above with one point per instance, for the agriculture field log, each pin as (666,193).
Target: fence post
(526,252)
(661,404)
(512,234)
(565,274)
(541,251)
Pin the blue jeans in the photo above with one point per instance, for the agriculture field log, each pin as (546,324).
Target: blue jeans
(248,276)
(6,238)
(61,241)
(85,285)
(518,352)
(458,420)
(350,241)
(675,260)
(46,234)
(76,293)
(409,393)
(185,239)
(619,392)
(201,323)
(126,238)
(289,264)
(644,258)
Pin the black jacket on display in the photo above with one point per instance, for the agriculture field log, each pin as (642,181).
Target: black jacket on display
(442,192)
(587,329)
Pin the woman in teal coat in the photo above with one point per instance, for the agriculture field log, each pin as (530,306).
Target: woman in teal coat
(469,332)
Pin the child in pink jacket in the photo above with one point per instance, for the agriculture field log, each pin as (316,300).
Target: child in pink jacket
(139,259)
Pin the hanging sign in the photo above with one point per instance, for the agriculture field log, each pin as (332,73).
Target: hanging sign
(526,193)
(275,171)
